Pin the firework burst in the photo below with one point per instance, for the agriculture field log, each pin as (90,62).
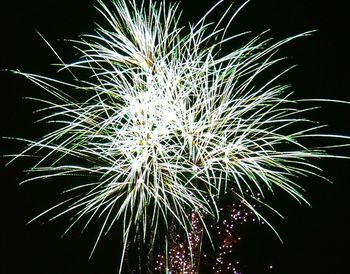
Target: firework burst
(169,122)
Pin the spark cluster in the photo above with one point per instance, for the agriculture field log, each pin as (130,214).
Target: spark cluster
(184,253)
(222,257)
(228,237)
(228,232)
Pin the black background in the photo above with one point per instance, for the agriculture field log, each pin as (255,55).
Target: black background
(315,240)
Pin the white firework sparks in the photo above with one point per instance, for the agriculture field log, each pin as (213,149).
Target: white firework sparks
(170,123)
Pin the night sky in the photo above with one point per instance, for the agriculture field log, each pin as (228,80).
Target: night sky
(316,239)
